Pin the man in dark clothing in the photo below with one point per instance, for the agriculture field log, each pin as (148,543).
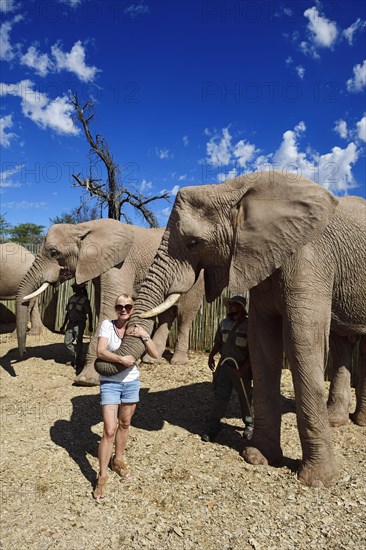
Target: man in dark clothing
(77,309)
(233,369)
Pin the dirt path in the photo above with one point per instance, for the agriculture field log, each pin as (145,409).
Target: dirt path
(184,493)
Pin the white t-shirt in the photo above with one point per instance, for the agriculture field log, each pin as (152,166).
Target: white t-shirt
(107,330)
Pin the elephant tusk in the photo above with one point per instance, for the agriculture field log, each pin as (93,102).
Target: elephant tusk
(37,292)
(169,302)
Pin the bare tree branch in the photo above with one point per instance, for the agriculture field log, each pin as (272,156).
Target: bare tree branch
(110,194)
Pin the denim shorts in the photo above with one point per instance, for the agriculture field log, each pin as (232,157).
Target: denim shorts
(114,393)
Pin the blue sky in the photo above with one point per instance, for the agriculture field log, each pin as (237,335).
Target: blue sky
(185,93)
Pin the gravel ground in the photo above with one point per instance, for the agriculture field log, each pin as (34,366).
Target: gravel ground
(184,493)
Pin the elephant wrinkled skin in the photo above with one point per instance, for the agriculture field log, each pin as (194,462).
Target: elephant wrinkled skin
(15,260)
(302,253)
(116,256)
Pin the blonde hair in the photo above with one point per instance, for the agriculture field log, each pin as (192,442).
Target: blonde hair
(123,296)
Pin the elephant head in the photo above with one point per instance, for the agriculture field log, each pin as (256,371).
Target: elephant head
(238,232)
(84,251)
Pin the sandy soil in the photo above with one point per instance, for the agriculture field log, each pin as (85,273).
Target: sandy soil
(184,493)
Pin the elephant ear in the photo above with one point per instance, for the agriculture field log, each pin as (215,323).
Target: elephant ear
(103,244)
(277,215)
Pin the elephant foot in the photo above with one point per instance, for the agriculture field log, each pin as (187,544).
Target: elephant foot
(359,418)
(319,474)
(252,455)
(150,360)
(36,331)
(338,418)
(179,358)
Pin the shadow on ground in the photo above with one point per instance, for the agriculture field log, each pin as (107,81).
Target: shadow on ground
(55,352)
(186,406)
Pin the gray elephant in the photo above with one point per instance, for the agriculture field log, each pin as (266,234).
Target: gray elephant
(302,254)
(116,257)
(340,396)
(15,261)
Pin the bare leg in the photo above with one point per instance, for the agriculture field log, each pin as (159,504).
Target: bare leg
(106,443)
(126,412)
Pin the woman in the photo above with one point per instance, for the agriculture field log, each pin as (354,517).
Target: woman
(119,393)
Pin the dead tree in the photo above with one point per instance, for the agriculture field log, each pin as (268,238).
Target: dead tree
(111,193)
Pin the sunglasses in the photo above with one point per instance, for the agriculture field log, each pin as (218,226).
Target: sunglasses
(127,307)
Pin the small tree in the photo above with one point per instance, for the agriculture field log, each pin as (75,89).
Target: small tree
(27,233)
(5,228)
(111,193)
(84,213)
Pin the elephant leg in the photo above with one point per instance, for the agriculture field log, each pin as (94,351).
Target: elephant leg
(307,349)
(359,416)
(161,334)
(266,356)
(180,356)
(35,319)
(340,396)
(89,376)
(188,306)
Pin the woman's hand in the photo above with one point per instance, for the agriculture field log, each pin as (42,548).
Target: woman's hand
(126,360)
(138,331)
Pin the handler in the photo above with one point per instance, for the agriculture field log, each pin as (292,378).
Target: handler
(77,309)
(233,369)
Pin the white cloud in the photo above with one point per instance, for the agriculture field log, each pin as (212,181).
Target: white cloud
(182,177)
(7,50)
(323,32)
(287,153)
(25,205)
(41,63)
(163,153)
(361,128)
(219,150)
(72,3)
(137,9)
(224,176)
(348,33)
(244,152)
(73,62)
(185,141)
(6,179)
(145,185)
(6,122)
(300,71)
(175,190)
(333,170)
(358,82)
(7,6)
(46,113)
(341,128)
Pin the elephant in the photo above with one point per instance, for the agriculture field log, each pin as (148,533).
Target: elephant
(15,260)
(116,256)
(340,396)
(301,253)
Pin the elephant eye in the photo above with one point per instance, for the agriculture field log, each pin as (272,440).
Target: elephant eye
(193,243)
(54,253)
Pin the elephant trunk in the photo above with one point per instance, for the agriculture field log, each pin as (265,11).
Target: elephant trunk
(30,282)
(153,291)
